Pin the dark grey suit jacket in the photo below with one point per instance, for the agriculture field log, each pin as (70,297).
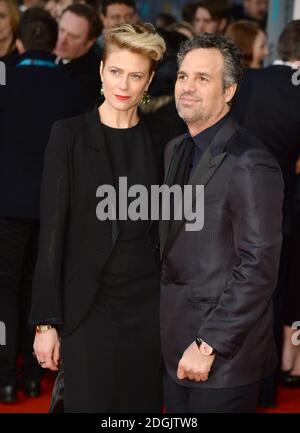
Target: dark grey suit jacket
(218,282)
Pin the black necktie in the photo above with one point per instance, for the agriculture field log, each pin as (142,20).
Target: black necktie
(196,154)
(188,159)
(182,174)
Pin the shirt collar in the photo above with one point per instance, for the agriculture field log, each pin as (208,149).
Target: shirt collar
(204,138)
(279,62)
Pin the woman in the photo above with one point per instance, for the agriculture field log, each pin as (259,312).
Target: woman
(9,20)
(184,28)
(252,41)
(97,282)
(56,7)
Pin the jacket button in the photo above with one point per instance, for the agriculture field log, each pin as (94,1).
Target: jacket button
(165,280)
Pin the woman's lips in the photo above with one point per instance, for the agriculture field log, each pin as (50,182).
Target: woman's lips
(122,98)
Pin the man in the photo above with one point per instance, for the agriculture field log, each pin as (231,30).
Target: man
(116,12)
(211,16)
(254,10)
(79,28)
(268,106)
(36,94)
(217,283)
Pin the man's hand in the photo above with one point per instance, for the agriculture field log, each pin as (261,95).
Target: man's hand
(193,365)
(46,347)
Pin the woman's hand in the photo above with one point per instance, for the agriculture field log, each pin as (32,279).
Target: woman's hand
(46,348)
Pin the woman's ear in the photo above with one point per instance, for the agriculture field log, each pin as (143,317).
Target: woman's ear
(150,79)
(20,46)
(101,70)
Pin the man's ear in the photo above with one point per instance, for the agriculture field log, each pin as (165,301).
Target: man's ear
(222,25)
(103,19)
(20,46)
(90,43)
(230,92)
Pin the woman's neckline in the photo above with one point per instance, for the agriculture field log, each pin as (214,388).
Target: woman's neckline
(121,129)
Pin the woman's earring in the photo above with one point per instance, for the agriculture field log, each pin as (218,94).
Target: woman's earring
(101,90)
(146,98)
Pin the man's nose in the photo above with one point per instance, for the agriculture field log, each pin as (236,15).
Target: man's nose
(62,39)
(200,27)
(188,85)
(122,20)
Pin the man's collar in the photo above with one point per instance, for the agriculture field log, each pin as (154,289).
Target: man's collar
(279,62)
(204,138)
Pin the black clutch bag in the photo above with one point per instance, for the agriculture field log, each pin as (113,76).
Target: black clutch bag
(57,400)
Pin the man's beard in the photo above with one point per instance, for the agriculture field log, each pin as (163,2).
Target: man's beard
(192,115)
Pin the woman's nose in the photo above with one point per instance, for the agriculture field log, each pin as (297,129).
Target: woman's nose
(123,84)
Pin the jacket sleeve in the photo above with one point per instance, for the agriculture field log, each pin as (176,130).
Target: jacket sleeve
(255,198)
(46,295)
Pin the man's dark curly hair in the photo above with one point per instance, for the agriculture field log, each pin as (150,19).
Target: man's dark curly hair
(234,63)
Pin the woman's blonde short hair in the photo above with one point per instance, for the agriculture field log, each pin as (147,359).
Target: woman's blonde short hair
(139,38)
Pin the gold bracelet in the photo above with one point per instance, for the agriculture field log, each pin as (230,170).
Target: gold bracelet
(42,328)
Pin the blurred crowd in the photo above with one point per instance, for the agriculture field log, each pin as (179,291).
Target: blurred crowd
(52,50)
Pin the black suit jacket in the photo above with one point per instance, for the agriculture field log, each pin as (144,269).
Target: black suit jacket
(267,105)
(86,71)
(74,244)
(218,282)
(32,100)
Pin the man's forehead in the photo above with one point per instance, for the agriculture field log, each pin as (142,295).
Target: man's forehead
(74,23)
(119,8)
(208,58)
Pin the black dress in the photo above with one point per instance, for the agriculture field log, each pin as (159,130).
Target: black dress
(125,372)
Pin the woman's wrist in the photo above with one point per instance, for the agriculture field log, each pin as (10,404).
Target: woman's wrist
(39,329)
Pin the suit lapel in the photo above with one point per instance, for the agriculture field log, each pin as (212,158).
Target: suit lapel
(206,168)
(178,149)
(155,164)
(100,164)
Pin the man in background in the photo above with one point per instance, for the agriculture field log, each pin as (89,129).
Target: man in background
(115,12)
(79,28)
(36,94)
(253,10)
(211,16)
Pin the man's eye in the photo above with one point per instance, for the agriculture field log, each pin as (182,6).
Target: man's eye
(114,71)
(136,77)
(181,77)
(203,79)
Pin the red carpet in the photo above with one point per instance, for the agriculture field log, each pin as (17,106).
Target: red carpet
(288,401)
